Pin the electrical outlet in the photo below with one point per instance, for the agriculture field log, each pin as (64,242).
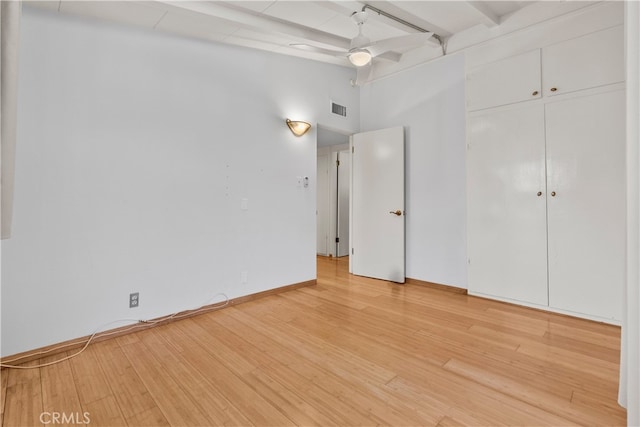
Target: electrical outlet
(134,299)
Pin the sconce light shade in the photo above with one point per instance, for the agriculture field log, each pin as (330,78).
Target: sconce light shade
(297,127)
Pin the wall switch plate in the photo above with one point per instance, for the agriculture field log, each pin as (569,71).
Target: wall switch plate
(244,204)
(299,181)
(134,299)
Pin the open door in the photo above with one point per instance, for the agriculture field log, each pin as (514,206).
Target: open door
(377,205)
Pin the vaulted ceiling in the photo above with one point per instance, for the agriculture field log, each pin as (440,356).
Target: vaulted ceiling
(275,25)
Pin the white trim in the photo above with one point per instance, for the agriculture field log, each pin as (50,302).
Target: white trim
(629,393)
(546,308)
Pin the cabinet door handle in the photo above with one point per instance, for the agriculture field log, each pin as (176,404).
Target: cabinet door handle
(553,194)
(539,193)
(535,92)
(553,89)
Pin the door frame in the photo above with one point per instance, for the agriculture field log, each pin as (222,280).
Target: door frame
(331,150)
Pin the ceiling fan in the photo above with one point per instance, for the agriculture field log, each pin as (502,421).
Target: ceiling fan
(362,49)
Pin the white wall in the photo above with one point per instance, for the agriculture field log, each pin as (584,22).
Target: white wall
(429,101)
(135,150)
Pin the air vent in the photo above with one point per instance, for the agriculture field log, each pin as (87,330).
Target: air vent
(338,109)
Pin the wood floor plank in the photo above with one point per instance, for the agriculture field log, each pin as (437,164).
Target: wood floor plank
(136,404)
(243,397)
(94,392)
(104,412)
(288,399)
(91,383)
(544,400)
(322,365)
(279,363)
(175,404)
(4,379)
(23,404)
(206,398)
(59,393)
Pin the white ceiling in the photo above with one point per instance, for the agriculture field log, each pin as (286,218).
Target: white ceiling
(274,25)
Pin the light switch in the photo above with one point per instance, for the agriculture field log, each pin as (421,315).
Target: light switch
(244,204)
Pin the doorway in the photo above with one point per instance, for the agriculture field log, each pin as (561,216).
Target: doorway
(333,175)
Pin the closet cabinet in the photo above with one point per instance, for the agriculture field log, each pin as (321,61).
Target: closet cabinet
(593,60)
(545,177)
(546,207)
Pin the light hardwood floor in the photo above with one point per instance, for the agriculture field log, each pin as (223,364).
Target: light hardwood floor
(348,351)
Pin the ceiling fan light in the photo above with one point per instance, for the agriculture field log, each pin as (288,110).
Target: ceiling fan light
(360,57)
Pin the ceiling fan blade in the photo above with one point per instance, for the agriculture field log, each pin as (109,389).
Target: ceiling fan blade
(412,40)
(316,49)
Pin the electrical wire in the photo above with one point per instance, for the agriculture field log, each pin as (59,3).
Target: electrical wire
(139,324)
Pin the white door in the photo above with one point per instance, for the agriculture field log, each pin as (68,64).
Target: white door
(586,203)
(507,241)
(322,206)
(377,222)
(342,198)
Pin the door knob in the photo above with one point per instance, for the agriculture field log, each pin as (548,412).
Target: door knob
(553,194)
(398,212)
(539,193)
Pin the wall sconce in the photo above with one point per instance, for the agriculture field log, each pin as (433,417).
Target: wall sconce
(298,128)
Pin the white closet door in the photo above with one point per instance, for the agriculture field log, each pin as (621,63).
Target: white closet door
(586,217)
(506,205)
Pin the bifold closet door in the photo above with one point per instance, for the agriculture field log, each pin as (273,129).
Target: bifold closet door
(507,236)
(586,203)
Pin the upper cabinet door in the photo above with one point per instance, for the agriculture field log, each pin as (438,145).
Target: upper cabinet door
(593,60)
(507,81)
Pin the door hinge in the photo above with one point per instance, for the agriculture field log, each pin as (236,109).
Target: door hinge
(337,240)
(351,251)
(337,162)
(353,149)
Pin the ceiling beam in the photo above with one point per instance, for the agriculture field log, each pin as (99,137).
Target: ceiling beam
(488,16)
(250,19)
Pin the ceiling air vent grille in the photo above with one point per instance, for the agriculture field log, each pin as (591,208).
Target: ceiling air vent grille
(338,109)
